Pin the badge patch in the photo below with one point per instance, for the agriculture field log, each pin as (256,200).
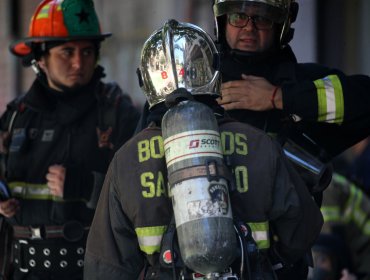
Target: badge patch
(18,140)
(48,135)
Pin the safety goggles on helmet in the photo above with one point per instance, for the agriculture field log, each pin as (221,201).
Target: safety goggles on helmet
(178,55)
(264,10)
(60,21)
(281,12)
(241,20)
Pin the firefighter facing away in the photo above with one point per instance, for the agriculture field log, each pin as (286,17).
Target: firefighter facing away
(204,197)
(58,140)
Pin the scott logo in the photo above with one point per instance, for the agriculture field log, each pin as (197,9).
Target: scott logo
(194,144)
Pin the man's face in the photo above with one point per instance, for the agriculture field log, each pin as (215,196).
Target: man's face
(69,65)
(249,38)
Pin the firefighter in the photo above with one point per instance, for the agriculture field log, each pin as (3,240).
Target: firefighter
(134,234)
(57,141)
(346,212)
(322,109)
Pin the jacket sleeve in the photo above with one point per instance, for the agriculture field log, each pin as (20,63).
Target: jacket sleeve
(326,95)
(329,107)
(295,218)
(112,250)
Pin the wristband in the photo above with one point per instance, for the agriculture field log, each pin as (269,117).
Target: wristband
(273,97)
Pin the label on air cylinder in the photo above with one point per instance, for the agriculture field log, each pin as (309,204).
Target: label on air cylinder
(198,198)
(191,144)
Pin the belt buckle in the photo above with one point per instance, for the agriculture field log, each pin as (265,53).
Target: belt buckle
(35,233)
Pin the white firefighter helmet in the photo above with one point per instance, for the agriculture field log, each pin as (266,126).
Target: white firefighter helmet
(281,12)
(178,55)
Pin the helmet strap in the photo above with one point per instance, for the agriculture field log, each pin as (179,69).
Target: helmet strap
(35,67)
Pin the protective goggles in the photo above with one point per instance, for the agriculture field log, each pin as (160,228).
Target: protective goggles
(241,20)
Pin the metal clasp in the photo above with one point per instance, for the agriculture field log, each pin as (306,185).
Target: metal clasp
(35,233)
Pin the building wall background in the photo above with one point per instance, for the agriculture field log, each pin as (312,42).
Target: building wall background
(332,32)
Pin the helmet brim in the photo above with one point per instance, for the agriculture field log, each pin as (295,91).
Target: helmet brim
(23,47)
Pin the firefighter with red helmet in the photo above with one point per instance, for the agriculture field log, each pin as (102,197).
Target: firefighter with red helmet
(204,196)
(57,142)
(322,109)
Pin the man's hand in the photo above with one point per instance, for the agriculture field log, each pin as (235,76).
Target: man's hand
(9,208)
(55,179)
(252,93)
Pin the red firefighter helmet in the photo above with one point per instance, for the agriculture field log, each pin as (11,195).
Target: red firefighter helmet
(60,20)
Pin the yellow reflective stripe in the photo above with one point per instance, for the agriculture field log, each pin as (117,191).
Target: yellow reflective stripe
(353,207)
(260,234)
(321,98)
(340,179)
(150,238)
(348,209)
(359,216)
(44,13)
(330,99)
(330,213)
(29,191)
(339,99)
(366,229)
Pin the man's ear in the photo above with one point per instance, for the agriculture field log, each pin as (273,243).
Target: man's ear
(41,63)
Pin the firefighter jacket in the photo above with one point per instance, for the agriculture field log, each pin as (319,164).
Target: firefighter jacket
(346,211)
(79,130)
(134,209)
(326,106)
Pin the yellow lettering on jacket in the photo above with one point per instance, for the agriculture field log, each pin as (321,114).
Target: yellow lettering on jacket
(150,148)
(153,185)
(234,143)
(241,178)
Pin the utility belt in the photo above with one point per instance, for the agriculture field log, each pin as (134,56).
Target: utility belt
(49,248)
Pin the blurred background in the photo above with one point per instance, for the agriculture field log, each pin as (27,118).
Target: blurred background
(332,32)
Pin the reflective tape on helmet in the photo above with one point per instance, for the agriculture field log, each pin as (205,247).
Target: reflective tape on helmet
(150,238)
(44,12)
(260,234)
(330,99)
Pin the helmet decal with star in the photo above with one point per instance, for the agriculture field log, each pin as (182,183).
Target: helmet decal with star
(80,17)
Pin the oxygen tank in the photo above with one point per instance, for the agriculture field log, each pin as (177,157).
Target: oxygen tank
(199,194)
